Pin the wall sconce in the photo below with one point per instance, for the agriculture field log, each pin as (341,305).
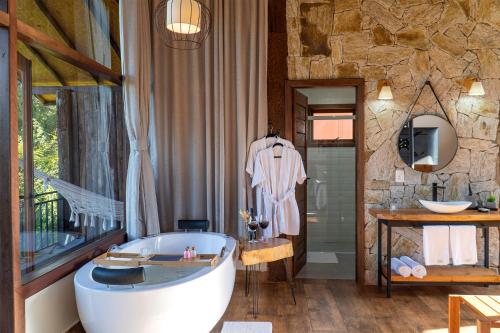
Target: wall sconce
(476,88)
(385,92)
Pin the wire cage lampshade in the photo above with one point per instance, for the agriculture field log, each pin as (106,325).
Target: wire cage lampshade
(183,24)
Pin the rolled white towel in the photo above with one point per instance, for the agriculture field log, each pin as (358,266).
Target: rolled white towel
(400,267)
(417,270)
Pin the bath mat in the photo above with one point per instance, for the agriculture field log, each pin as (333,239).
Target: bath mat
(247,327)
(317,257)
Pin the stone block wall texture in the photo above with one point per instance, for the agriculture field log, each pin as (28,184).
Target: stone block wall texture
(409,42)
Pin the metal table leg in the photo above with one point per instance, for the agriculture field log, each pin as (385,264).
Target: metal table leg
(289,279)
(255,290)
(246,281)
(389,255)
(379,253)
(486,247)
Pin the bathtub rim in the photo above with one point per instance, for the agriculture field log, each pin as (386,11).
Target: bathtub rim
(83,279)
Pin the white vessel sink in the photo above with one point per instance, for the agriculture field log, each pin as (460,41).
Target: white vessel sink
(445,207)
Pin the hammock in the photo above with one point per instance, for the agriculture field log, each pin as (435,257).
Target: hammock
(84,202)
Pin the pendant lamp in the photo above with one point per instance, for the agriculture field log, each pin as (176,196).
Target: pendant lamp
(182,24)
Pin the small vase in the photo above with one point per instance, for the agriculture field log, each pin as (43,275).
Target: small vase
(492,205)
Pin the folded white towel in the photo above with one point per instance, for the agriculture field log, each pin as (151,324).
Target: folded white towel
(436,241)
(463,244)
(400,268)
(417,270)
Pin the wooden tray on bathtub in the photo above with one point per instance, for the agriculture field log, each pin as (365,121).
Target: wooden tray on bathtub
(165,260)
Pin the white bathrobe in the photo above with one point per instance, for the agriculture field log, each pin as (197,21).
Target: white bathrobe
(262,144)
(278,177)
(256,147)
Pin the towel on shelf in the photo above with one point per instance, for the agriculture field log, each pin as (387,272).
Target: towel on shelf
(400,267)
(417,270)
(436,241)
(463,245)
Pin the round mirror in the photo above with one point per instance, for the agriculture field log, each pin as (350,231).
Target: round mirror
(427,143)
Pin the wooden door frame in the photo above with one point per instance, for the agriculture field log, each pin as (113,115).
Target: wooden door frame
(359,84)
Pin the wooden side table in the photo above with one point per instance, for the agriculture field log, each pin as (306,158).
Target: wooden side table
(486,308)
(253,254)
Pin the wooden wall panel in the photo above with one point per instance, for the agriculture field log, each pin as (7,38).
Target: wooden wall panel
(64,138)
(300,112)
(79,117)
(277,73)
(277,64)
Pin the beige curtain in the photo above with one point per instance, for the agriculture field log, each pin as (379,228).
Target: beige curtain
(209,105)
(135,38)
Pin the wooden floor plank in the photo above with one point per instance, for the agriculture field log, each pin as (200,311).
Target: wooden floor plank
(354,308)
(322,307)
(336,306)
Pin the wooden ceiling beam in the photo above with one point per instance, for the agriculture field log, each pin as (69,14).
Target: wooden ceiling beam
(40,40)
(59,29)
(90,6)
(43,61)
(41,99)
(55,24)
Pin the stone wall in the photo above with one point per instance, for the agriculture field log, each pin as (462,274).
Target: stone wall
(408,42)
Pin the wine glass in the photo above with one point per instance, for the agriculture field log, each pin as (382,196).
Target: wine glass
(252,226)
(263,225)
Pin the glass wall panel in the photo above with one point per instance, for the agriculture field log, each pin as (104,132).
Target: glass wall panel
(88,26)
(79,153)
(24,199)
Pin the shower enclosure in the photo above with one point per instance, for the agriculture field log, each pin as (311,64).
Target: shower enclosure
(331,186)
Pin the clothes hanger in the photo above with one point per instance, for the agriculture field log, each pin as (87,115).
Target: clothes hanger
(276,145)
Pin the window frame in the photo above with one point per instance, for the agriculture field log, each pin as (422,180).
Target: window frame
(12,314)
(330,108)
(14,293)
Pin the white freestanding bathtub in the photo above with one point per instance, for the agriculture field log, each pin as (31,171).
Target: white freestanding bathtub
(175,300)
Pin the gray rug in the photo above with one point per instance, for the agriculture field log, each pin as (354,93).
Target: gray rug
(247,327)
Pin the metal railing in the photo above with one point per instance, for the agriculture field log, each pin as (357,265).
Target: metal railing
(48,219)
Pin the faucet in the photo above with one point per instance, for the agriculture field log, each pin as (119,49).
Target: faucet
(435,188)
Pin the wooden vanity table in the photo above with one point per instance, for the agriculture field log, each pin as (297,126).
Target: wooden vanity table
(436,275)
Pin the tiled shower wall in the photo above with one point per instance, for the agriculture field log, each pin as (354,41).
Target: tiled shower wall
(331,226)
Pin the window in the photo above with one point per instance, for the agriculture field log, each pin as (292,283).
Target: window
(332,127)
(73,147)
